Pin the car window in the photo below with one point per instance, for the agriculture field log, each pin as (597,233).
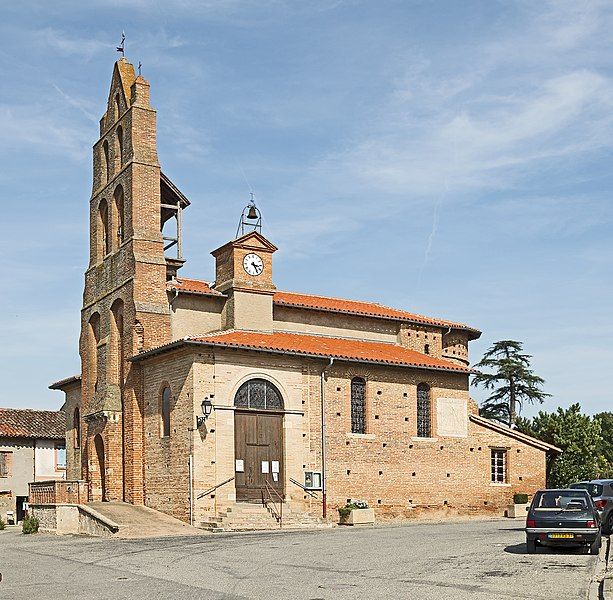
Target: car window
(561,500)
(595,489)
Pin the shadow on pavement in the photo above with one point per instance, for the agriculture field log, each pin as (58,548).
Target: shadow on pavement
(521,549)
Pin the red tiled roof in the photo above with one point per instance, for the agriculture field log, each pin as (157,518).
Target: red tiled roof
(326,347)
(192,286)
(355,307)
(28,423)
(324,303)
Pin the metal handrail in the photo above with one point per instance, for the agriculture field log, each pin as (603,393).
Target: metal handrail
(311,493)
(269,503)
(214,488)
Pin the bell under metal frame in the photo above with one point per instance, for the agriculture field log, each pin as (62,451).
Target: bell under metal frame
(251,220)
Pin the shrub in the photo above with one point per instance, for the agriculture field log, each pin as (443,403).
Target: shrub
(345,511)
(520,498)
(30,525)
(2,524)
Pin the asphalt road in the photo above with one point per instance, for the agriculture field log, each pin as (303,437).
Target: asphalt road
(451,561)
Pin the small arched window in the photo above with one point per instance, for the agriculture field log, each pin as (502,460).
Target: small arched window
(166,412)
(106,161)
(424,419)
(358,405)
(104,240)
(258,394)
(117,107)
(117,347)
(94,336)
(119,133)
(119,211)
(76,428)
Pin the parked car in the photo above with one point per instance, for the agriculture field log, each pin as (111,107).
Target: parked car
(601,491)
(563,518)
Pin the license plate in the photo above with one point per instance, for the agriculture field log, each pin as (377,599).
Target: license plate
(561,536)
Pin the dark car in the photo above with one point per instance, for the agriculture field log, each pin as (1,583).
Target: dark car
(563,518)
(601,491)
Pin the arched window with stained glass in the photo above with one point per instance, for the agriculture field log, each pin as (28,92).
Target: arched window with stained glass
(258,394)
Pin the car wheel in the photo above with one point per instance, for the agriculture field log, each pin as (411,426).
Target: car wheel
(595,547)
(531,546)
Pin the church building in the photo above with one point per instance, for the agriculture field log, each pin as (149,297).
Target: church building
(195,397)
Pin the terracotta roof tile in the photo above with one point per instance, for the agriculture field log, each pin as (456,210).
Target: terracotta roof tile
(325,303)
(47,424)
(355,307)
(340,348)
(192,286)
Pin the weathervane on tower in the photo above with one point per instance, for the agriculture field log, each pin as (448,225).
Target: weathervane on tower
(251,219)
(122,46)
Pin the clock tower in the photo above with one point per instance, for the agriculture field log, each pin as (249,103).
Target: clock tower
(243,271)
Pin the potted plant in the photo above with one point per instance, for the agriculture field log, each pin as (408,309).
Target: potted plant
(356,513)
(519,508)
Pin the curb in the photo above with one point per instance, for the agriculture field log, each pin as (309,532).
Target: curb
(606,585)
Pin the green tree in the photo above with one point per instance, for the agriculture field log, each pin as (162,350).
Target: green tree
(511,379)
(577,435)
(606,447)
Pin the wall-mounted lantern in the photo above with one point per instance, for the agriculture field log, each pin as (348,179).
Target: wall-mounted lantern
(207,409)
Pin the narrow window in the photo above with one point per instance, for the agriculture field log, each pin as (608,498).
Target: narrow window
(119,211)
(427,349)
(94,336)
(5,464)
(358,405)
(76,428)
(60,457)
(104,240)
(423,410)
(116,356)
(499,466)
(166,412)
(106,162)
(120,145)
(117,107)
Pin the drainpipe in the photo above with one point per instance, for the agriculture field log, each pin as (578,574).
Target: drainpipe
(323,436)
(191,489)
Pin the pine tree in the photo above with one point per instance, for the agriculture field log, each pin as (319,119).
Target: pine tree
(512,380)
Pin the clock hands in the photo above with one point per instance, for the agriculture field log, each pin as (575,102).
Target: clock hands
(256,267)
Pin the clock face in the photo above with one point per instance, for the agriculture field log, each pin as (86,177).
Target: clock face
(253,264)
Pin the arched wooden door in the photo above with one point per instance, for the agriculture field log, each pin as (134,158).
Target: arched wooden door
(258,439)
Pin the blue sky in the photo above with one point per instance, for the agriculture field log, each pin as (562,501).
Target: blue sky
(450,158)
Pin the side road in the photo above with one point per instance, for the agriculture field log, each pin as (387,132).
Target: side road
(473,560)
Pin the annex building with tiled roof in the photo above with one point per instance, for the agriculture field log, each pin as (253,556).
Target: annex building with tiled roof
(32,448)
(196,396)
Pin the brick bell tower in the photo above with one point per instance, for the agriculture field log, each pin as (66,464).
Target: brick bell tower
(125,306)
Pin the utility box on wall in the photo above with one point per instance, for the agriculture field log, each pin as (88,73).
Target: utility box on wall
(312,480)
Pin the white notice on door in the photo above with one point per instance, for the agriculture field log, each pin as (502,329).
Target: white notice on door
(275,466)
(240,466)
(265,466)
(275,476)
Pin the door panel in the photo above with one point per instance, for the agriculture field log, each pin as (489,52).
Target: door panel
(258,438)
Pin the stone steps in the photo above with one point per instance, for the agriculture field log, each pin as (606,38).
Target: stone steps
(255,517)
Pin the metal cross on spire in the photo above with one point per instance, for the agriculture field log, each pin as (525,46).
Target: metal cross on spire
(122,47)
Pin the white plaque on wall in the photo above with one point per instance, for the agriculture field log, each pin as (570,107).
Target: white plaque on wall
(240,466)
(452,417)
(275,466)
(265,466)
